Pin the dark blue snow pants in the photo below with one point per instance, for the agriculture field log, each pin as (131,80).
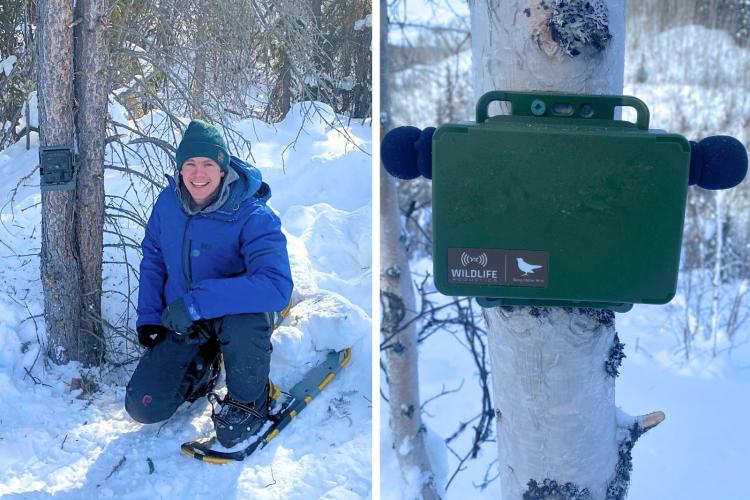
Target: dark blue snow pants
(183,368)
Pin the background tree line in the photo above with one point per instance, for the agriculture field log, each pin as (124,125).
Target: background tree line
(252,58)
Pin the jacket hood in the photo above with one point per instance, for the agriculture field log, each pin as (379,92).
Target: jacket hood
(243,182)
(249,185)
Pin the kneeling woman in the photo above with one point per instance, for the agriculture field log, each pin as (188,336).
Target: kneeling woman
(214,270)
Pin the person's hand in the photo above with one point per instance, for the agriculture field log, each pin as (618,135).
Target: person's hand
(150,335)
(176,317)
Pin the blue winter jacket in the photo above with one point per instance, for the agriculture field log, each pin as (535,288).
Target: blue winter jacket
(229,261)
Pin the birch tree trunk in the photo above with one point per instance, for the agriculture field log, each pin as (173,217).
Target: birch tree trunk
(718,265)
(60,267)
(401,356)
(398,309)
(553,369)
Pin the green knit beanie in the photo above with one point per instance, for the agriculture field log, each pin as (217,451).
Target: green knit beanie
(202,139)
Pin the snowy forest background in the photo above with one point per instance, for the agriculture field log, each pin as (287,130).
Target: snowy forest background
(289,84)
(689,61)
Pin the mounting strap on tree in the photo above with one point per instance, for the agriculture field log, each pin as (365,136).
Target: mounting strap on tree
(559,203)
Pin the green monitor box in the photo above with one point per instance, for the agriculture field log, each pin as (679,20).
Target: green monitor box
(558,204)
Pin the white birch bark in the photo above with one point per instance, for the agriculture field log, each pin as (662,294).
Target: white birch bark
(398,310)
(555,403)
(515,51)
(718,257)
(401,356)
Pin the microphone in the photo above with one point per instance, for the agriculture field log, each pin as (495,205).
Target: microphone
(717,162)
(406,152)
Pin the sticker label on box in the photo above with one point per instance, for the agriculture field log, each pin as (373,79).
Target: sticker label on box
(498,267)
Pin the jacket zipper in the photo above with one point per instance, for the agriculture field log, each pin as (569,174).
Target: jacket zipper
(187,270)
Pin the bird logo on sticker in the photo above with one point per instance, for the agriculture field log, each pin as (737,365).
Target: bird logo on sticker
(525,267)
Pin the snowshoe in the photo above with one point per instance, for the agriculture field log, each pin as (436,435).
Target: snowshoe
(287,406)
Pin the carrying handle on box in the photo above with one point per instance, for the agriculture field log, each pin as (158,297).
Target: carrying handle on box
(554,105)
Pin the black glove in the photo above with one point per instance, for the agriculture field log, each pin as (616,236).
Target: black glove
(150,335)
(176,318)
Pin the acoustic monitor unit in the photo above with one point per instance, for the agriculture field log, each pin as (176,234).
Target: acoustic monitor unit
(558,203)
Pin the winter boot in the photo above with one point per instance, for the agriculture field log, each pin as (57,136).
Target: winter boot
(236,421)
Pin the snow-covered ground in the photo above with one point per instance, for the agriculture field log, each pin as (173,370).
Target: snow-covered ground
(54,444)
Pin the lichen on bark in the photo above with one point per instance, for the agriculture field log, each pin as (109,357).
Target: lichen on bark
(604,317)
(572,27)
(615,357)
(550,489)
(618,487)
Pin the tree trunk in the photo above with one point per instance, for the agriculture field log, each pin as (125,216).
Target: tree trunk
(716,282)
(362,76)
(285,84)
(198,81)
(401,353)
(72,221)
(318,41)
(513,50)
(397,295)
(60,267)
(92,88)
(552,368)
(554,401)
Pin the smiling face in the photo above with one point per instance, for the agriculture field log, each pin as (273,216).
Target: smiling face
(202,177)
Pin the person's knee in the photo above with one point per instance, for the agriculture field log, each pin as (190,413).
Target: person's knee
(147,409)
(244,328)
(160,382)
